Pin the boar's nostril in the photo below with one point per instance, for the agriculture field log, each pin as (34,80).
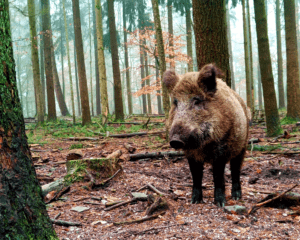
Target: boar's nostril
(177,143)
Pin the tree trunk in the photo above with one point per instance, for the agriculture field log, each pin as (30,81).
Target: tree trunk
(91,70)
(101,59)
(170,29)
(69,61)
(61,54)
(161,56)
(211,35)
(247,60)
(158,94)
(59,94)
(189,44)
(86,116)
(142,62)
(35,62)
(98,102)
(115,62)
(293,91)
(147,81)
(42,57)
(128,84)
(23,213)
(250,56)
(260,100)
(48,61)
(279,57)
(272,118)
(230,48)
(77,82)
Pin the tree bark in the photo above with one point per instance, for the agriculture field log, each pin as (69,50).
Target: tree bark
(35,62)
(211,35)
(91,70)
(189,44)
(161,56)
(142,64)
(101,59)
(260,100)
(279,57)
(128,83)
(42,57)
(147,81)
(48,61)
(293,91)
(77,82)
(115,62)
(98,102)
(171,32)
(272,117)
(69,61)
(230,48)
(23,213)
(86,116)
(247,60)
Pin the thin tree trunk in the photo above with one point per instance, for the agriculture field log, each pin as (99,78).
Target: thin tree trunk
(42,57)
(69,61)
(115,62)
(147,81)
(212,45)
(98,102)
(230,48)
(161,56)
(260,100)
(250,56)
(77,83)
(247,60)
(48,61)
(101,59)
(62,55)
(279,57)
(35,62)
(128,83)
(86,115)
(170,29)
(158,94)
(142,62)
(189,44)
(91,70)
(272,117)
(293,91)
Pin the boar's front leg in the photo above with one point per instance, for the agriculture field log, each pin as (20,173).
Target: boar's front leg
(196,168)
(218,174)
(235,167)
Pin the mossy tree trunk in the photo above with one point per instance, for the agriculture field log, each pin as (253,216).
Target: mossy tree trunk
(48,60)
(40,101)
(22,210)
(272,117)
(211,35)
(101,59)
(161,56)
(77,83)
(115,62)
(128,83)
(279,56)
(293,91)
(84,97)
(69,61)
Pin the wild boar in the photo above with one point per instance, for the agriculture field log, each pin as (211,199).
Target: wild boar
(210,122)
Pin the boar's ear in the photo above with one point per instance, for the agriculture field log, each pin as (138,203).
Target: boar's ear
(207,78)
(170,79)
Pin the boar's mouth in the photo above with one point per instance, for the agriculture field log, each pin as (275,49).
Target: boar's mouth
(183,138)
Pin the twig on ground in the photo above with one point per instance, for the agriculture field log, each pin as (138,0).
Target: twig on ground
(156,190)
(64,223)
(120,204)
(270,200)
(107,180)
(57,216)
(140,219)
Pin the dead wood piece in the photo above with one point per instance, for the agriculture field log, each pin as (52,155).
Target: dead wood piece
(37,150)
(53,186)
(74,154)
(158,203)
(156,190)
(140,219)
(92,179)
(80,199)
(130,148)
(112,203)
(125,135)
(146,123)
(57,216)
(81,139)
(135,157)
(119,204)
(59,194)
(107,180)
(114,155)
(92,203)
(253,140)
(95,198)
(57,163)
(64,223)
(44,178)
(270,200)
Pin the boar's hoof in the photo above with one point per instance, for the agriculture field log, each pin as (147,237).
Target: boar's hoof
(220,198)
(197,196)
(177,144)
(236,195)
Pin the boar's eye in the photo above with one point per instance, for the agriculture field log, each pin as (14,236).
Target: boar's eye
(197,102)
(175,101)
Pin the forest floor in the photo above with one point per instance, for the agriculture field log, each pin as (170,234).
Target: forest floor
(270,166)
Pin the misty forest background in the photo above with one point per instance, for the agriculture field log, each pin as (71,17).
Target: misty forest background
(139,74)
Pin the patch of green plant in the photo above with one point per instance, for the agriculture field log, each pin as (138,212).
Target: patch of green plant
(288,120)
(77,175)
(76,146)
(121,128)
(135,128)
(264,147)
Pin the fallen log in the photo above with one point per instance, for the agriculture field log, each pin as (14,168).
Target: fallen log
(53,186)
(126,135)
(64,223)
(137,156)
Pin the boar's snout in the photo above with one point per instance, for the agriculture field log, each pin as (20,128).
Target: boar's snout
(176,142)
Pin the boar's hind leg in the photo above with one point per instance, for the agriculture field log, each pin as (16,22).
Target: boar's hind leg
(218,174)
(196,168)
(235,166)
